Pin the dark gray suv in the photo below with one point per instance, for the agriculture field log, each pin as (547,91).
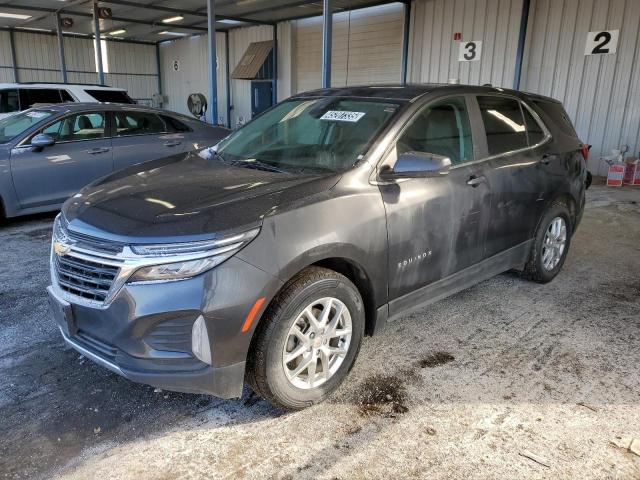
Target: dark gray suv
(269,256)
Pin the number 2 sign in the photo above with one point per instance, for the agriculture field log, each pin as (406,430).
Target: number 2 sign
(470,51)
(602,42)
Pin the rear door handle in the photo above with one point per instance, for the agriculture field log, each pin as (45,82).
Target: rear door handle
(172,143)
(475,181)
(96,151)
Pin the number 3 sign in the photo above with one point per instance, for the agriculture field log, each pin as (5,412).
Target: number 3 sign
(470,51)
(603,42)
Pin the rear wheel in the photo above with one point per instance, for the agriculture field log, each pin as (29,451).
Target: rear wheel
(308,340)
(551,244)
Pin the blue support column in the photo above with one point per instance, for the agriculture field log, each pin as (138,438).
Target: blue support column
(227,76)
(405,41)
(98,44)
(159,66)
(524,20)
(275,65)
(14,64)
(212,110)
(327,27)
(63,62)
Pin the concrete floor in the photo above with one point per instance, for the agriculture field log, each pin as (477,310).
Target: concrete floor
(473,386)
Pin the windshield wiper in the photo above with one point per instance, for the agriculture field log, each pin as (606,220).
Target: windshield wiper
(258,165)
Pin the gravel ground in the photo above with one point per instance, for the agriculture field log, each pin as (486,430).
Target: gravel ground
(509,379)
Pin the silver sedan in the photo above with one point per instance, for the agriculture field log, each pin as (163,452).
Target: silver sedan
(49,153)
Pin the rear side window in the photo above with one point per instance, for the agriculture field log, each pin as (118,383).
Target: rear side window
(9,101)
(503,124)
(534,130)
(66,96)
(558,115)
(110,96)
(138,123)
(38,96)
(174,125)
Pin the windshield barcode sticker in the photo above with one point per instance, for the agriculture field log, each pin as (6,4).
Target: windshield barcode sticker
(342,116)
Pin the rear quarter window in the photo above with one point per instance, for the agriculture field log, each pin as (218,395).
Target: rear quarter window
(558,115)
(110,96)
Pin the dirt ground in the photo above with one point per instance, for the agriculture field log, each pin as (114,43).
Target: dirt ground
(509,379)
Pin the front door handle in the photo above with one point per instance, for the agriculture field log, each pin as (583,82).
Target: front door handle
(96,151)
(172,143)
(474,181)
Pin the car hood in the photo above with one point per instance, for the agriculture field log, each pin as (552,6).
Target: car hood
(185,196)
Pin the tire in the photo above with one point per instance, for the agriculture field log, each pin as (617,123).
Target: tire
(537,269)
(267,372)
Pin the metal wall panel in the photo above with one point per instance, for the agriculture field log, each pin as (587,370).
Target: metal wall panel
(192,76)
(366,48)
(286,60)
(601,93)
(6,65)
(433,52)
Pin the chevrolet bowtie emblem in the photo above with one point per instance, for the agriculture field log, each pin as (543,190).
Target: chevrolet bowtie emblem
(61,248)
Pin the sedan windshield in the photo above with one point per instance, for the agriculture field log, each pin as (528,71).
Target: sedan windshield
(16,124)
(309,135)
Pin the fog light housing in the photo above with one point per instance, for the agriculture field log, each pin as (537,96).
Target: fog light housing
(200,345)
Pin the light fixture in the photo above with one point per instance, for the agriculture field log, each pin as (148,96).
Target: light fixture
(229,21)
(17,16)
(174,34)
(177,18)
(117,32)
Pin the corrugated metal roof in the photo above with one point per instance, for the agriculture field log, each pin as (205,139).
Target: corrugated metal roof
(252,60)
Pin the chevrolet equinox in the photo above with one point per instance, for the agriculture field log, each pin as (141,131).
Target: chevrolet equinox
(269,256)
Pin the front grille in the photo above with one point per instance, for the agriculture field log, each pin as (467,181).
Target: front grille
(97,346)
(93,243)
(87,279)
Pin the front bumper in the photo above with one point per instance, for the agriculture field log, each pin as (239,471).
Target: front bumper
(145,332)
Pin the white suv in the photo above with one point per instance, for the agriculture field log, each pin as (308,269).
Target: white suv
(15,97)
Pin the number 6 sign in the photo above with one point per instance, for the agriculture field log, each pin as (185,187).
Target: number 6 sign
(603,42)
(470,51)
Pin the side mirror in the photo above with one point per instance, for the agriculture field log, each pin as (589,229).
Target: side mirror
(420,165)
(41,141)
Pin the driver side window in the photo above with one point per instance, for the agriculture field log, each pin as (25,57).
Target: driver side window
(442,128)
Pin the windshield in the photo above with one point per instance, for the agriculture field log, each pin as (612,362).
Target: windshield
(327,134)
(11,127)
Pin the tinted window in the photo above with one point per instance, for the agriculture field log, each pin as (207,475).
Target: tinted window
(174,125)
(443,129)
(503,123)
(34,96)
(138,123)
(81,126)
(558,115)
(66,96)
(9,101)
(110,96)
(534,130)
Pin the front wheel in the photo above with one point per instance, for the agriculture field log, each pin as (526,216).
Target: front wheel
(551,244)
(308,340)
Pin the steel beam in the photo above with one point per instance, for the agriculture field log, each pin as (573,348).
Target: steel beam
(274,92)
(524,21)
(159,66)
(405,42)
(227,76)
(98,44)
(63,62)
(327,27)
(14,64)
(212,111)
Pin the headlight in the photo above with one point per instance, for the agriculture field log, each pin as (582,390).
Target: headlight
(196,257)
